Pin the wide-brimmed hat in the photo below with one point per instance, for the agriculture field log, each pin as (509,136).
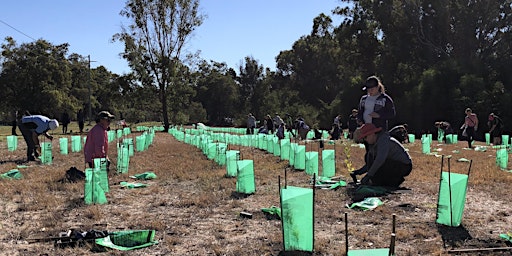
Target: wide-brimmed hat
(104,115)
(368,129)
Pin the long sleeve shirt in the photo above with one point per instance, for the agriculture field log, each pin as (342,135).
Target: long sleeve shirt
(96,144)
(385,148)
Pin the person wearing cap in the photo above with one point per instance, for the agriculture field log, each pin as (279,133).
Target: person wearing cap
(31,127)
(96,143)
(376,106)
(386,160)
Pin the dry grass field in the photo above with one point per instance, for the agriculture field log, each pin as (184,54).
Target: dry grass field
(194,210)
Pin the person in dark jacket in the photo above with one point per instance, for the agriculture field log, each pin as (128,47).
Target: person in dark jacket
(386,160)
(376,106)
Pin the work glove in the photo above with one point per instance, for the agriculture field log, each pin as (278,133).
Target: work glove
(366,180)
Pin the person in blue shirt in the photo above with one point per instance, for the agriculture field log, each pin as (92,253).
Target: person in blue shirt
(31,127)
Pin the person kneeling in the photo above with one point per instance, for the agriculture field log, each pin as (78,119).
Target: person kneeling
(386,160)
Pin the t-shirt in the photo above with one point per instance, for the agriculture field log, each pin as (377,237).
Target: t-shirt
(369,106)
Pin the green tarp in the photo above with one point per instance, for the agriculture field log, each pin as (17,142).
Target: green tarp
(452,197)
(12,174)
(128,239)
(144,176)
(369,203)
(297,218)
(125,184)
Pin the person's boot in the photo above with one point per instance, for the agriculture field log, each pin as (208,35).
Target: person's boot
(354,177)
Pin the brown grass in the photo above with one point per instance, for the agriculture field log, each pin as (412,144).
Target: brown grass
(195,212)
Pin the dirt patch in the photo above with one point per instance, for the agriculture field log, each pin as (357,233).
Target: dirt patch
(195,209)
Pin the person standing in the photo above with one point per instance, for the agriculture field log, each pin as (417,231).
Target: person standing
(251,123)
(277,121)
(352,123)
(336,128)
(96,143)
(80,118)
(269,124)
(14,123)
(376,107)
(65,120)
(470,126)
(386,160)
(495,128)
(31,127)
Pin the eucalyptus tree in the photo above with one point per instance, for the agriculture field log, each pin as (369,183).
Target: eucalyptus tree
(154,43)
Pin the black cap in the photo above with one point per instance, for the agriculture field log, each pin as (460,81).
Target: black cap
(371,82)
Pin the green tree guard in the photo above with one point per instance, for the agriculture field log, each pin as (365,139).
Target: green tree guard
(277,146)
(111,136)
(123,159)
(232,156)
(300,158)
(93,193)
(449,139)
(505,139)
(328,163)
(46,153)
(311,163)
(262,141)
(76,144)
(452,197)
(411,138)
(220,158)
(425,144)
(128,142)
(127,240)
(297,218)
(285,149)
(100,167)
(63,145)
(440,135)
(12,142)
(270,144)
(502,157)
(126,131)
(245,183)
(455,139)
(119,133)
(212,150)
(487,138)
(140,141)
(293,149)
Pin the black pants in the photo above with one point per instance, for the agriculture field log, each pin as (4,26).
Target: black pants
(391,174)
(470,131)
(31,146)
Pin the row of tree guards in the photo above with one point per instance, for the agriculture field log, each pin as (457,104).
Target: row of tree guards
(96,179)
(297,212)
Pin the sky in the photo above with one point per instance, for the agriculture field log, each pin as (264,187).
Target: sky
(232,29)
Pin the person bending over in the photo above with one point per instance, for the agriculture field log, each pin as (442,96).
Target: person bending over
(386,160)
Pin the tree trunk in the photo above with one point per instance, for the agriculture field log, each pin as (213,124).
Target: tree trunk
(163,100)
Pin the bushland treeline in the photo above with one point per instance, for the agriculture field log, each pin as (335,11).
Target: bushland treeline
(435,58)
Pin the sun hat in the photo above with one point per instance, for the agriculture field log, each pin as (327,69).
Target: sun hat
(105,115)
(53,124)
(368,129)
